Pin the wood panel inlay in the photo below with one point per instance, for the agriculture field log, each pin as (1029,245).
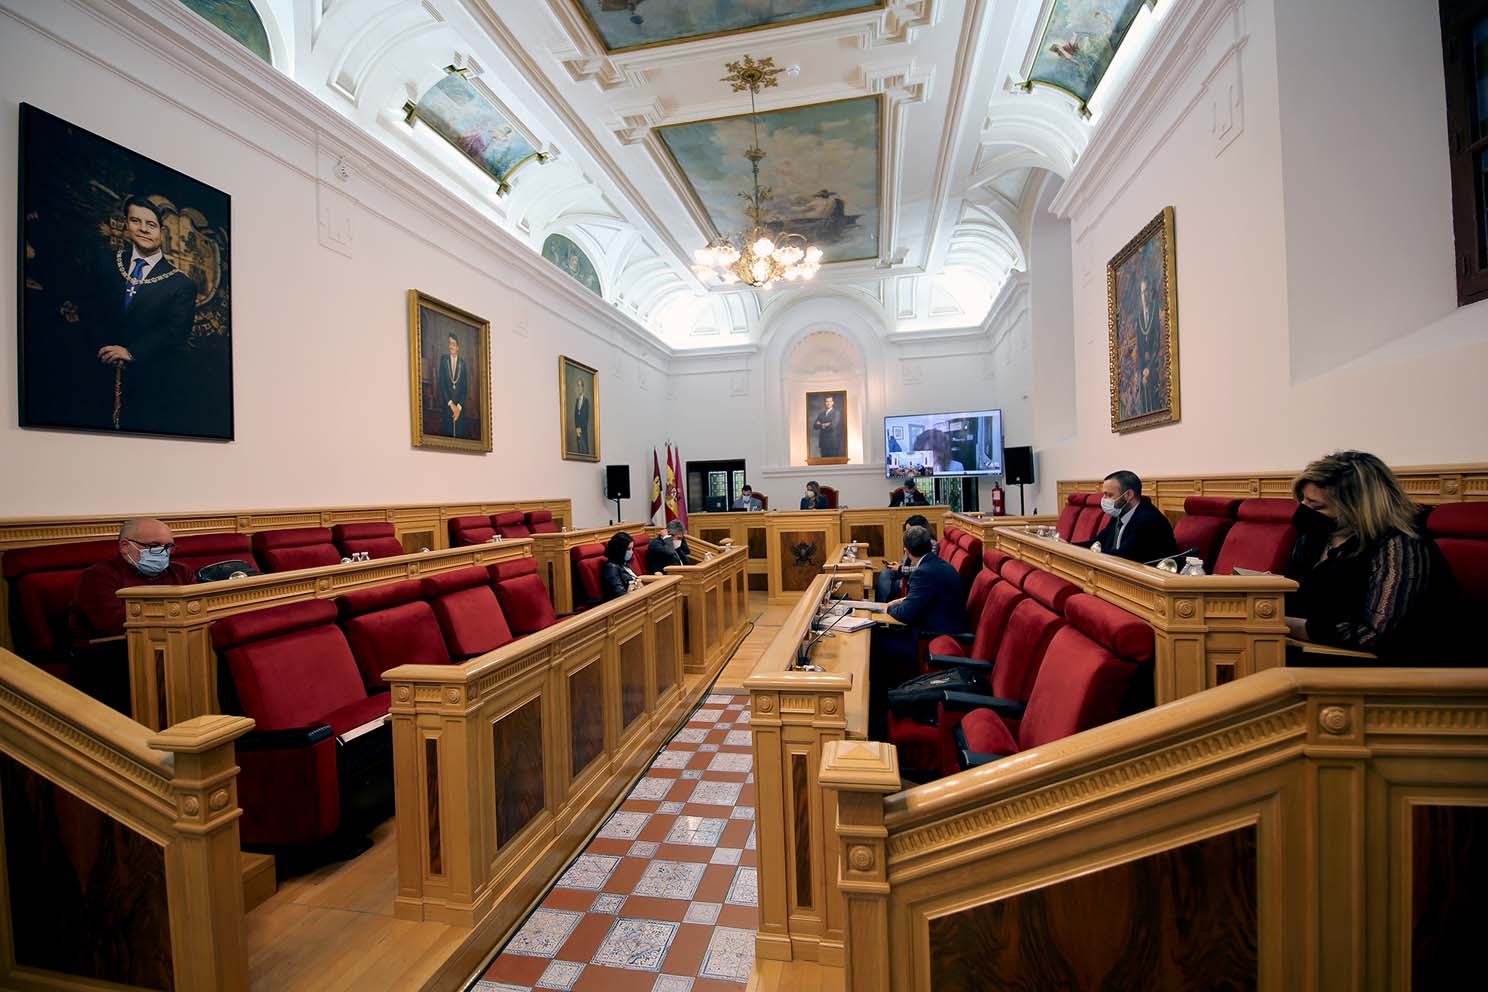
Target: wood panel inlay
(586,716)
(802,554)
(801,801)
(666,654)
(1449,906)
(871,535)
(431,781)
(87,893)
(756,541)
(1184,918)
(715,535)
(632,680)
(520,793)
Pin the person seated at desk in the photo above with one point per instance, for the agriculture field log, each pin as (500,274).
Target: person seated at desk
(887,582)
(908,495)
(937,598)
(144,559)
(668,549)
(1138,531)
(615,576)
(1367,580)
(813,500)
(747,500)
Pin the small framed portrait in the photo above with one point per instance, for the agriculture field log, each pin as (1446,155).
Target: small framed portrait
(449,353)
(125,289)
(826,427)
(578,404)
(1142,299)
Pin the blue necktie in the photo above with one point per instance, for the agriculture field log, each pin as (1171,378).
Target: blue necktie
(135,275)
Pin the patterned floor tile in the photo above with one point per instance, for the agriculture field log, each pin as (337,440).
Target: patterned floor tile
(670,880)
(726,855)
(543,933)
(697,831)
(624,826)
(692,773)
(739,738)
(607,902)
(730,955)
(589,871)
(672,983)
(730,762)
(691,735)
(651,787)
(706,716)
(707,747)
(716,700)
(560,975)
(703,912)
(639,945)
(644,849)
(745,890)
(716,793)
(742,813)
(672,759)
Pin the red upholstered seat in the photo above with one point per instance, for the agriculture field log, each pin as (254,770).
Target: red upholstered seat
(468,612)
(510,524)
(1205,524)
(640,540)
(523,597)
(377,540)
(1460,531)
(585,561)
(953,533)
(541,522)
(42,581)
(761,498)
(830,495)
(294,674)
(1073,504)
(199,550)
(1015,571)
(1091,521)
(1002,597)
(1261,538)
(298,547)
(470,530)
(391,625)
(976,597)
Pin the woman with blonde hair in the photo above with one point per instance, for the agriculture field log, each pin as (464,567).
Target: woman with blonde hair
(1367,578)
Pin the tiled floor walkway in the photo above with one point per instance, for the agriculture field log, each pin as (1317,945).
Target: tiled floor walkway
(664,897)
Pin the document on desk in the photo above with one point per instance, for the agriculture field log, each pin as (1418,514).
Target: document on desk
(845,625)
(864,604)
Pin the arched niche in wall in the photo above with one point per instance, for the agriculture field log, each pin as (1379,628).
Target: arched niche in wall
(573,261)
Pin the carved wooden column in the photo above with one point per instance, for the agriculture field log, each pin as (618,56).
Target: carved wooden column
(203,870)
(1337,773)
(861,773)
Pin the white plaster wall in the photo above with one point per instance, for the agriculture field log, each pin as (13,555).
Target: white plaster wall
(1052,334)
(321,340)
(1382,361)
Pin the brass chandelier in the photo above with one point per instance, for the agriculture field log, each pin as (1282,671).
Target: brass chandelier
(755,257)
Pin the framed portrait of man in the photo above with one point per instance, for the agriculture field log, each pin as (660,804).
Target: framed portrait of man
(826,427)
(449,352)
(125,289)
(578,404)
(1142,299)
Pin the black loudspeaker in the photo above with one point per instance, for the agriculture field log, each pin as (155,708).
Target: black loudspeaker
(617,482)
(1019,466)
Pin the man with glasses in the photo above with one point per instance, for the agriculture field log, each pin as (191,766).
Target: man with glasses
(145,548)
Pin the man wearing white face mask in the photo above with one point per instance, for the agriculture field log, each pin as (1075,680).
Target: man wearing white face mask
(668,549)
(145,548)
(1137,531)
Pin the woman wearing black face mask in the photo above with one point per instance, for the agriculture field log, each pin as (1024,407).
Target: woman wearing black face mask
(615,575)
(1367,579)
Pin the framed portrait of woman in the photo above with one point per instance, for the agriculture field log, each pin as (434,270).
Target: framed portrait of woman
(578,410)
(449,354)
(1142,298)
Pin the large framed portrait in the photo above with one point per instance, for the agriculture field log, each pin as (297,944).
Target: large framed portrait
(1142,299)
(826,427)
(125,289)
(449,351)
(578,406)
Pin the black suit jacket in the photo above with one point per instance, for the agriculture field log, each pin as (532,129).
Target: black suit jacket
(660,553)
(614,580)
(908,497)
(936,599)
(1148,535)
(583,420)
(833,438)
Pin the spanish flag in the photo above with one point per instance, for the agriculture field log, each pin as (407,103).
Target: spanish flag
(671,488)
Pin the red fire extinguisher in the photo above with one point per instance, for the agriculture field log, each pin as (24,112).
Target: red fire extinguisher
(999,507)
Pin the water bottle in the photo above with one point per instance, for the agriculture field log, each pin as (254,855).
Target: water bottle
(1192,566)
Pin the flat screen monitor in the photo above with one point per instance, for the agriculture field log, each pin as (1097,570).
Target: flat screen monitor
(968,443)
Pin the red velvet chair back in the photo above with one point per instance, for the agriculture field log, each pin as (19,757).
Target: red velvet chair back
(953,533)
(1460,531)
(1092,519)
(295,548)
(467,611)
(639,541)
(541,522)
(1020,653)
(830,495)
(585,560)
(388,626)
(470,530)
(981,587)
(510,524)
(1073,505)
(1002,599)
(1205,524)
(1261,538)
(1015,571)
(377,540)
(523,597)
(764,501)
(42,582)
(1080,685)
(199,550)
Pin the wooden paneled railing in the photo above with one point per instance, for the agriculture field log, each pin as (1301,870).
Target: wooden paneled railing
(119,861)
(505,764)
(172,667)
(1299,829)
(715,603)
(553,564)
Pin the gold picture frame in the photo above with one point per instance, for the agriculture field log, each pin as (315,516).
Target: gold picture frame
(574,419)
(588,16)
(1143,322)
(831,442)
(437,377)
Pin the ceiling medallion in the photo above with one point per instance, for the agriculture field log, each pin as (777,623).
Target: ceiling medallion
(755,257)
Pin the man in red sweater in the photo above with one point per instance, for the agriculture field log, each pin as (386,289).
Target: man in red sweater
(145,548)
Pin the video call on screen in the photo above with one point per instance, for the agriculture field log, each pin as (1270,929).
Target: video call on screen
(944,444)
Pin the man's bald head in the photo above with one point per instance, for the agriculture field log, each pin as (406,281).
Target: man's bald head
(140,533)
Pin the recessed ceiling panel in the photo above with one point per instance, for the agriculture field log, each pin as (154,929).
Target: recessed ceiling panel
(1079,43)
(461,115)
(623,25)
(822,165)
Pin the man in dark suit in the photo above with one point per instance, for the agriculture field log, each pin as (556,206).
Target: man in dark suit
(1138,531)
(831,432)
(582,422)
(908,495)
(454,388)
(668,549)
(138,318)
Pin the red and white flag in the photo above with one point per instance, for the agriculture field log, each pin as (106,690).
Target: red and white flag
(671,488)
(681,490)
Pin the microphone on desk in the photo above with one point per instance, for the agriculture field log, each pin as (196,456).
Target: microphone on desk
(803,654)
(1176,558)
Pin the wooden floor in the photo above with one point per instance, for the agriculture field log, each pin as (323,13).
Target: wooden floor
(334,929)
